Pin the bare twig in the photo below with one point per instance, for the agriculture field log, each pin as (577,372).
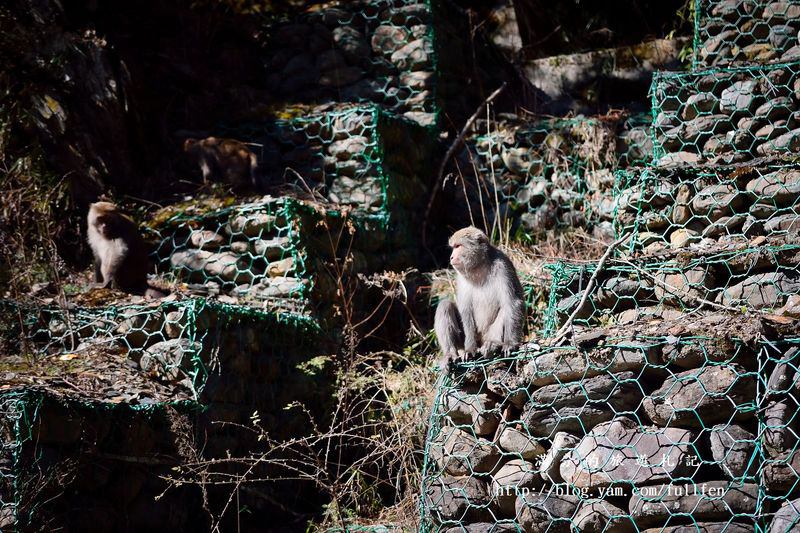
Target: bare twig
(450,151)
(562,332)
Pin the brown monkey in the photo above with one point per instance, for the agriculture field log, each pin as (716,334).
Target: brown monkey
(120,254)
(489,308)
(224,160)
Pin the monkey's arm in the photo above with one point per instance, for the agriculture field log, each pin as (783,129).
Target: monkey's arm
(466,304)
(506,330)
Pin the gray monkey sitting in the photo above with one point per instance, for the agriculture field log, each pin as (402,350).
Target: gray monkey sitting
(489,308)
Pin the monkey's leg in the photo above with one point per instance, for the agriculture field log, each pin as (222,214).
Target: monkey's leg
(98,274)
(449,331)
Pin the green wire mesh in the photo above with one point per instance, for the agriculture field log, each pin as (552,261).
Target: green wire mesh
(623,432)
(17,412)
(723,116)
(549,173)
(247,253)
(346,155)
(380,52)
(698,208)
(148,354)
(742,32)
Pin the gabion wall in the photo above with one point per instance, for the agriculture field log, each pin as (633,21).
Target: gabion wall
(651,431)
(357,51)
(549,173)
(742,32)
(725,116)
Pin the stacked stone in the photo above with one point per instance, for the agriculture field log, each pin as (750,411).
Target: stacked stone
(726,116)
(746,31)
(357,51)
(655,430)
(552,173)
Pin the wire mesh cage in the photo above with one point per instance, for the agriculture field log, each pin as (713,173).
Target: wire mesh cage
(550,173)
(357,157)
(723,116)
(17,412)
(663,429)
(745,32)
(380,52)
(144,354)
(697,208)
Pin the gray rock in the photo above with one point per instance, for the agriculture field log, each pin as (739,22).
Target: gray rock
(170,360)
(787,519)
(702,396)
(388,38)
(418,80)
(684,287)
(781,187)
(478,411)
(705,527)
(206,239)
(271,249)
(561,366)
(579,406)
(519,442)
(548,511)
(784,377)
(679,159)
(416,55)
(612,453)
(788,223)
(352,43)
(461,499)
(782,35)
(739,97)
(699,104)
(508,481)
(563,443)
(461,454)
(716,201)
(599,516)
(485,527)
(711,500)
(612,289)
(251,224)
(734,450)
(760,290)
(788,142)
(224,265)
(780,433)
(775,109)
(698,130)
(782,472)
(348,148)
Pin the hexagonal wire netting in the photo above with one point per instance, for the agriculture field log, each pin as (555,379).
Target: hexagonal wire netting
(627,432)
(550,172)
(745,32)
(723,116)
(379,52)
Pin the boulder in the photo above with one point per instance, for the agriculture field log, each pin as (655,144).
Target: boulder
(787,519)
(476,410)
(769,289)
(548,510)
(780,188)
(599,516)
(563,443)
(707,501)
(519,442)
(579,406)
(684,287)
(461,454)
(623,451)
(716,201)
(734,450)
(462,499)
(740,97)
(508,481)
(702,396)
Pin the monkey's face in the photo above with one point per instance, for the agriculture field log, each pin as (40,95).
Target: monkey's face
(468,255)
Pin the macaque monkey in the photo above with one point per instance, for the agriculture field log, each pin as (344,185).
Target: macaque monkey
(489,309)
(224,160)
(120,254)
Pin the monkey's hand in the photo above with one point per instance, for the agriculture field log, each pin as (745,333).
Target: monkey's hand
(489,347)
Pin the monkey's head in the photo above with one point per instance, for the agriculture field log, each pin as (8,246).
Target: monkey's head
(189,145)
(101,215)
(471,250)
